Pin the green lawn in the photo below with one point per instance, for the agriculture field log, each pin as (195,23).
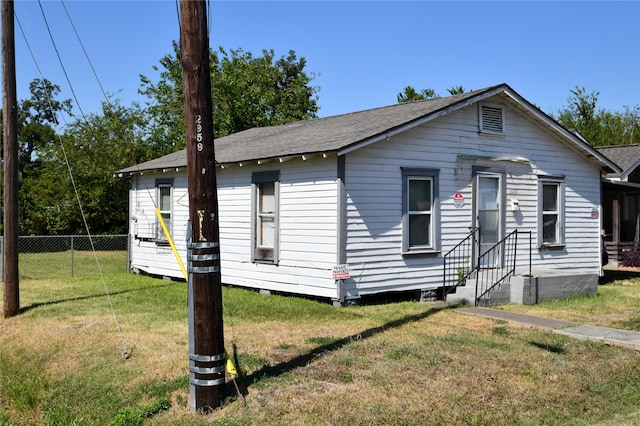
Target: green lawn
(303,361)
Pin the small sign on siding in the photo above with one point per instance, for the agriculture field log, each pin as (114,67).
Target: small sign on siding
(341,272)
(458,200)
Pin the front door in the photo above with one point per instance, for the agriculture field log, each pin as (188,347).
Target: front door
(488,215)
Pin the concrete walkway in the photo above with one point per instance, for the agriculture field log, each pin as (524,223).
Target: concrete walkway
(610,336)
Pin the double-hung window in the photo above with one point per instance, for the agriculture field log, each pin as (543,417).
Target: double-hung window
(550,211)
(420,219)
(265,219)
(164,197)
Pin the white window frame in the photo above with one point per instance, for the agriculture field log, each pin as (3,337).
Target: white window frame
(433,245)
(559,212)
(166,214)
(261,253)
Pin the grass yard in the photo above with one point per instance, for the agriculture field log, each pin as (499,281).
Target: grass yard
(304,362)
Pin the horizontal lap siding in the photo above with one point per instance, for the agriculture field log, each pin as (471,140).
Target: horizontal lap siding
(374,197)
(308,228)
(146,255)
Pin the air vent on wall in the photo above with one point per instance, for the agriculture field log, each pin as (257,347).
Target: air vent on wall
(491,119)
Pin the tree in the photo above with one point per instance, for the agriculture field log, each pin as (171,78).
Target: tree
(410,94)
(247,92)
(37,119)
(93,148)
(599,126)
(456,90)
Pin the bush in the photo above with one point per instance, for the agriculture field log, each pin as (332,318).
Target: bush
(631,258)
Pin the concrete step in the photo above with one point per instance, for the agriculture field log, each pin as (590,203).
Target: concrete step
(467,295)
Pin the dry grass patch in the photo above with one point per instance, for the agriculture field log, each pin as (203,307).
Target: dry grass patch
(475,371)
(308,363)
(617,304)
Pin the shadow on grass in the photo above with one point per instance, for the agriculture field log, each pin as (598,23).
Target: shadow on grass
(549,348)
(302,360)
(87,297)
(611,275)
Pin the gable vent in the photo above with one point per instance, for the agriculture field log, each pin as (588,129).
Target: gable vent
(491,119)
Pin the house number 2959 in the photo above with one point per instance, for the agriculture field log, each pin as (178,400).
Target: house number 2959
(199,132)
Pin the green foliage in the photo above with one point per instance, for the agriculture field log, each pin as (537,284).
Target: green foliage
(598,126)
(410,94)
(93,147)
(165,109)
(60,175)
(37,117)
(136,416)
(246,92)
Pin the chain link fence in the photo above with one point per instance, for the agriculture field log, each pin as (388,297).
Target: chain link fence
(70,255)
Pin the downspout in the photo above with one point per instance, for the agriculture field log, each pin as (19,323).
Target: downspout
(341,243)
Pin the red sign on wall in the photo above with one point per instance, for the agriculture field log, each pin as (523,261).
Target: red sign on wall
(458,200)
(341,272)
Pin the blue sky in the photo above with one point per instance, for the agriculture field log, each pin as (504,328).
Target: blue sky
(364,52)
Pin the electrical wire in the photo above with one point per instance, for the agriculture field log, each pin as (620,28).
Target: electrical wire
(86,55)
(125,351)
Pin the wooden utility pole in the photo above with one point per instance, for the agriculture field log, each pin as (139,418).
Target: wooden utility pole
(206,339)
(10,157)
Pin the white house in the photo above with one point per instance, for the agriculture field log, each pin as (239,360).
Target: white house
(370,202)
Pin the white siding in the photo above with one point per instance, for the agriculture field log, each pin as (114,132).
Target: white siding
(146,255)
(308,228)
(374,198)
(373,230)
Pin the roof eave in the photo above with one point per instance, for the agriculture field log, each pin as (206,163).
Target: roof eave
(422,120)
(576,140)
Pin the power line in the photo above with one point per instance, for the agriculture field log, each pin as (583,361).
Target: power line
(55,48)
(125,351)
(85,53)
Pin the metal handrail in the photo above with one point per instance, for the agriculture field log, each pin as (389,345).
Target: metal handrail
(457,267)
(496,264)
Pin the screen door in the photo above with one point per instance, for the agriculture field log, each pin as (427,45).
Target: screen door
(488,215)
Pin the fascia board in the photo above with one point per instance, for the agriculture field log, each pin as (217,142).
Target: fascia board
(575,141)
(418,122)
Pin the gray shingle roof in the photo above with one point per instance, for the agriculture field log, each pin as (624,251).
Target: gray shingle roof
(340,132)
(314,136)
(625,156)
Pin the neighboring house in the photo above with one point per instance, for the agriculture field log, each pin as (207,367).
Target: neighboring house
(621,201)
(370,202)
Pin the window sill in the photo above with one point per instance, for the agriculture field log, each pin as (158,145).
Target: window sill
(152,240)
(422,252)
(265,262)
(557,246)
